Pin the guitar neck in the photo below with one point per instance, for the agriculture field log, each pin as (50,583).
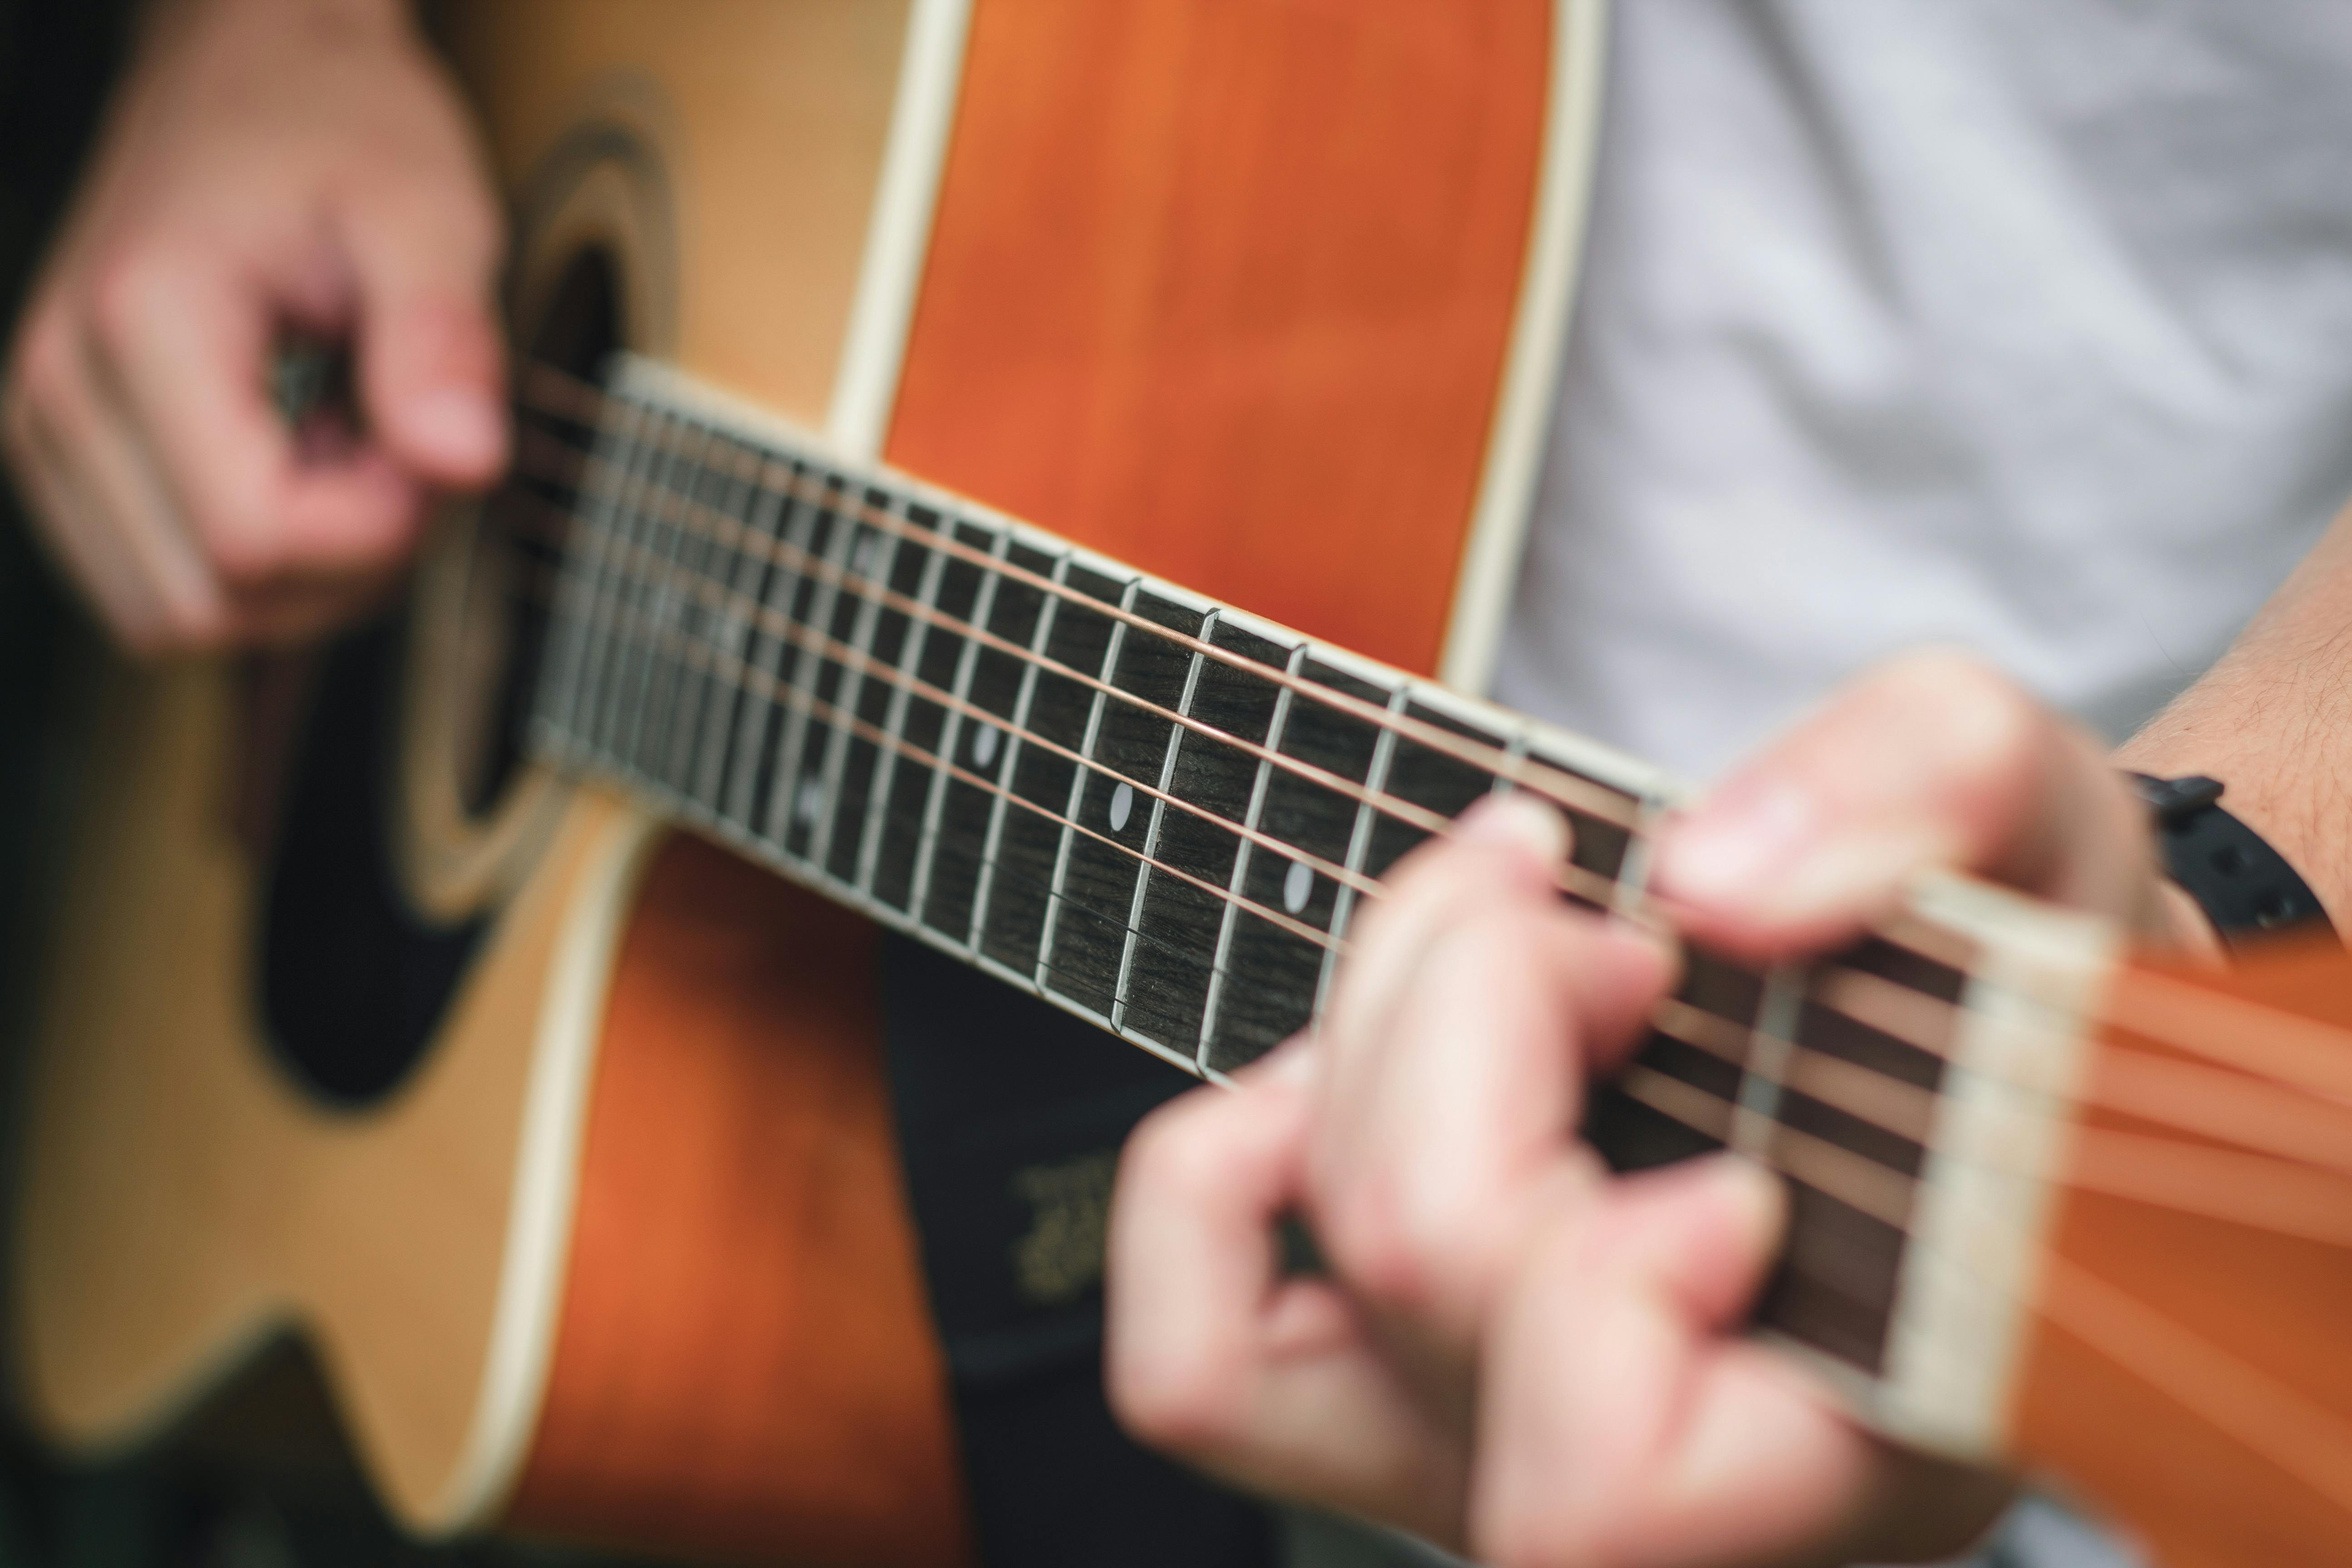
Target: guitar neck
(1165,814)
(1149,808)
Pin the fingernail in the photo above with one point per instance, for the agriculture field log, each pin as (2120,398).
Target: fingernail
(456,425)
(1736,842)
(1517,820)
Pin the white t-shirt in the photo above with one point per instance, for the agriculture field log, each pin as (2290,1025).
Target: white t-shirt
(2022,324)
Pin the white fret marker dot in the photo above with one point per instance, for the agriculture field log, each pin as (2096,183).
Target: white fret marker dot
(809,805)
(983,745)
(1122,806)
(1298,886)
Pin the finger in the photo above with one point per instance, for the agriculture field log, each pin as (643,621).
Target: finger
(1213,1354)
(183,351)
(1201,1184)
(1463,1105)
(93,505)
(1930,761)
(82,538)
(1618,1425)
(431,367)
(122,471)
(1503,845)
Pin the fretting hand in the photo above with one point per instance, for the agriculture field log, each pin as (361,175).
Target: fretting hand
(267,166)
(1514,1352)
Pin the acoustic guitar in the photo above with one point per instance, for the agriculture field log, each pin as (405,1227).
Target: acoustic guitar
(1038,477)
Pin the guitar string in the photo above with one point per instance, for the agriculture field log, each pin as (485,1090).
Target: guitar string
(562,395)
(799,634)
(1574,790)
(2253,1405)
(1814,1162)
(2139,1100)
(1579,881)
(1583,883)
(2147,1372)
(730,534)
(2104,1161)
(750,679)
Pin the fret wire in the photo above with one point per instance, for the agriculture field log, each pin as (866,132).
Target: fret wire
(703,652)
(1670,1014)
(1812,1159)
(706,655)
(797,527)
(681,725)
(1852,1179)
(657,593)
(1176,733)
(1513,749)
(595,645)
(783,806)
(1806,1155)
(1574,879)
(650,713)
(1827,1166)
(608,460)
(1608,801)
(1250,817)
(885,548)
(1637,844)
(1013,736)
(1403,810)
(1634,870)
(1755,1121)
(1359,846)
(636,518)
(983,604)
(1078,777)
(1868,1094)
(770,518)
(894,722)
(715,740)
(585,557)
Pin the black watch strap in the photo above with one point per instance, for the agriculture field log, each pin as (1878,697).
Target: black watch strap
(2244,885)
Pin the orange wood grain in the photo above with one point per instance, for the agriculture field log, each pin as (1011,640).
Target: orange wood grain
(2277,1308)
(1225,291)
(745,1366)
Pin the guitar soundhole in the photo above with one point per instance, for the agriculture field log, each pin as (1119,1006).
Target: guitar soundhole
(355,979)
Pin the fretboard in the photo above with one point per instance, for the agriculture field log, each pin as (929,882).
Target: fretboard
(1148,808)
(1156,810)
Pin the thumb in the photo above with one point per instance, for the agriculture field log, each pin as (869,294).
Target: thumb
(431,365)
(1931,761)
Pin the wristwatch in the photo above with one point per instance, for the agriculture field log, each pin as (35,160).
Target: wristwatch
(2244,885)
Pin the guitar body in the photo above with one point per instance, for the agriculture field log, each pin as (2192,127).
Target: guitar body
(572,1153)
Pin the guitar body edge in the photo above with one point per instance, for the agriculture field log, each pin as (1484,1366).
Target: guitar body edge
(185,1197)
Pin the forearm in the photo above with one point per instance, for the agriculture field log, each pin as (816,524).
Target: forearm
(2272,719)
